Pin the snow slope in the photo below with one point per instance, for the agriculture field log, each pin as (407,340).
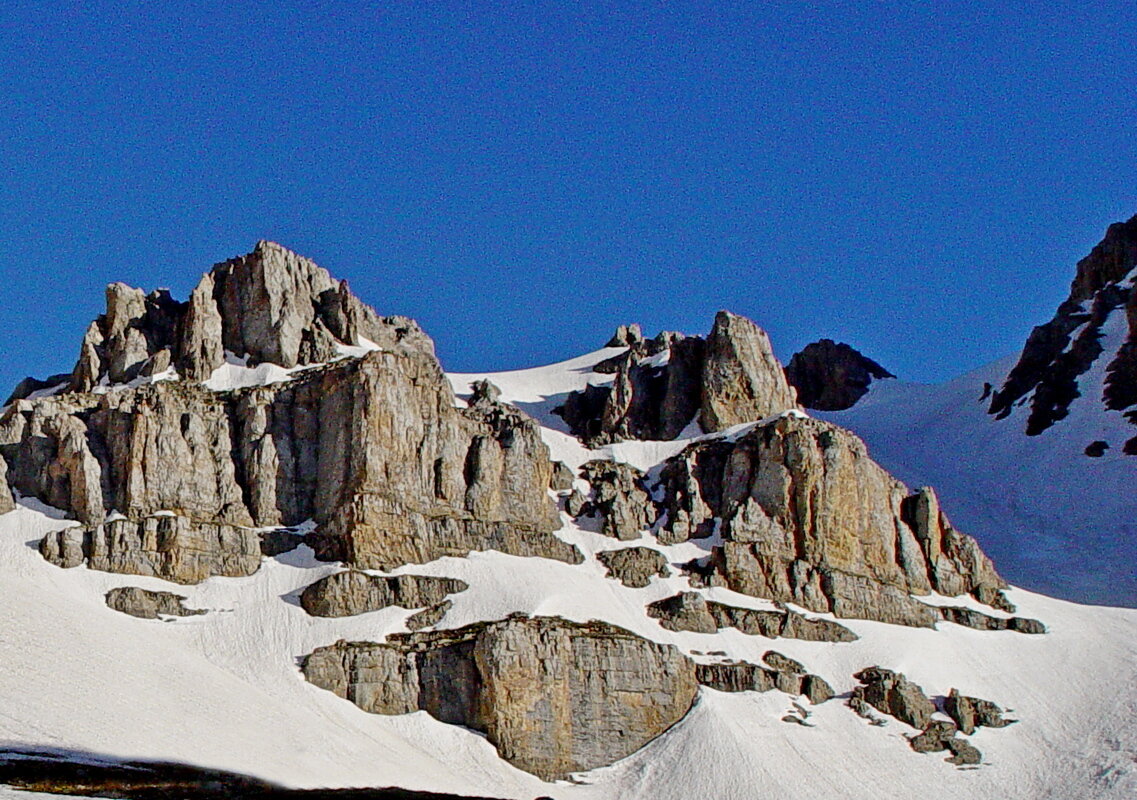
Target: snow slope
(1052,518)
(223,690)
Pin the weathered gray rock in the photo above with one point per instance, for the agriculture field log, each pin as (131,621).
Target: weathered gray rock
(985,622)
(7,503)
(807,517)
(619,496)
(742,379)
(626,336)
(554,697)
(147,604)
(934,738)
(428,616)
(634,566)
(970,713)
(200,345)
(740,676)
(576,503)
(344,594)
(163,546)
(891,693)
(562,477)
(686,611)
(781,663)
(690,611)
(963,753)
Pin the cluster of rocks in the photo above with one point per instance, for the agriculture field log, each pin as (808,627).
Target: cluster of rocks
(805,517)
(1062,350)
(372,449)
(893,694)
(147,604)
(781,673)
(690,611)
(351,592)
(663,384)
(554,697)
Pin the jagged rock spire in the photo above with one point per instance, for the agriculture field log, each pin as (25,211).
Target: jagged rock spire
(270,305)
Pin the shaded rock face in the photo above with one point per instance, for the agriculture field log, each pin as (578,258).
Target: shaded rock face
(831,376)
(891,693)
(970,713)
(634,566)
(344,594)
(984,622)
(146,604)
(7,503)
(806,517)
(690,611)
(554,697)
(619,497)
(663,384)
(370,448)
(1060,351)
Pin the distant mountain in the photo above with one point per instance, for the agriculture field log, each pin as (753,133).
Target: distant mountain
(259,540)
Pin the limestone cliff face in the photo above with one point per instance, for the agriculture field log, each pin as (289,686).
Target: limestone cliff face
(373,449)
(554,697)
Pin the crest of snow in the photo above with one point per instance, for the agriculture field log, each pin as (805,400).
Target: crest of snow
(364,347)
(236,374)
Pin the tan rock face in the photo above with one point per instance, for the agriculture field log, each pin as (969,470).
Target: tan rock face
(807,517)
(553,696)
(742,379)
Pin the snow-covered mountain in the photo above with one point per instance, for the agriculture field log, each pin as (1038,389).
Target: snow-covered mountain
(263,532)
(1036,454)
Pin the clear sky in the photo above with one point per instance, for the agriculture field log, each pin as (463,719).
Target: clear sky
(918,179)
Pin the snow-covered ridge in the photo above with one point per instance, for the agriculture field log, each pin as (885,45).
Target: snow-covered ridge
(223,689)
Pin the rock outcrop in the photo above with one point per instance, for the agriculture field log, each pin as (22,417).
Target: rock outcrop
(807,517)
(891,693)
(619,497)
(741,676)
(832,376)
(971,618)
(146,604)
(554,697)
(372,448)
(7,503)
(1058,353)
(344,594)
(690,611)
(662,385)
(634,566)
(970,713)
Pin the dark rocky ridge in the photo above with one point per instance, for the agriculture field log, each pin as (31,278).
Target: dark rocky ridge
(1058,352)
(831,376)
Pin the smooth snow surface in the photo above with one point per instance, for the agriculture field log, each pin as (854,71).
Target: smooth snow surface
(1051,517)
(224,690)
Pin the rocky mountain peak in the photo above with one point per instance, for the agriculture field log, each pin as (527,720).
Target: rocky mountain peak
(268,306)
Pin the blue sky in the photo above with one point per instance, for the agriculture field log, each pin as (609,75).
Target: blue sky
(918,179)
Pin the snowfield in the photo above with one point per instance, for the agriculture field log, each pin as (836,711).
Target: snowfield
(224,690)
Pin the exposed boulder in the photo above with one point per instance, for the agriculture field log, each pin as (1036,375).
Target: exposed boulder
(742,379)
(970,713)
(634,566)
(891,693)
(934,738)
(831,376)
(147,604)
(781,663)
(626,336)
(344,594)
(553,696)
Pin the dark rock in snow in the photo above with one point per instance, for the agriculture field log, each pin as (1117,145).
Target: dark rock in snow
(634,566)
(147,604)
(832,377)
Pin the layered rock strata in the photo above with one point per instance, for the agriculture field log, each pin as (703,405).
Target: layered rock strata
(344,594)
(372,448)
(554,697)
(741,676)
(690,611)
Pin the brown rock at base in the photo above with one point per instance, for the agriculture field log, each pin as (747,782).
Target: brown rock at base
(634,566)
(351,592)
(146,604)
(553,696)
